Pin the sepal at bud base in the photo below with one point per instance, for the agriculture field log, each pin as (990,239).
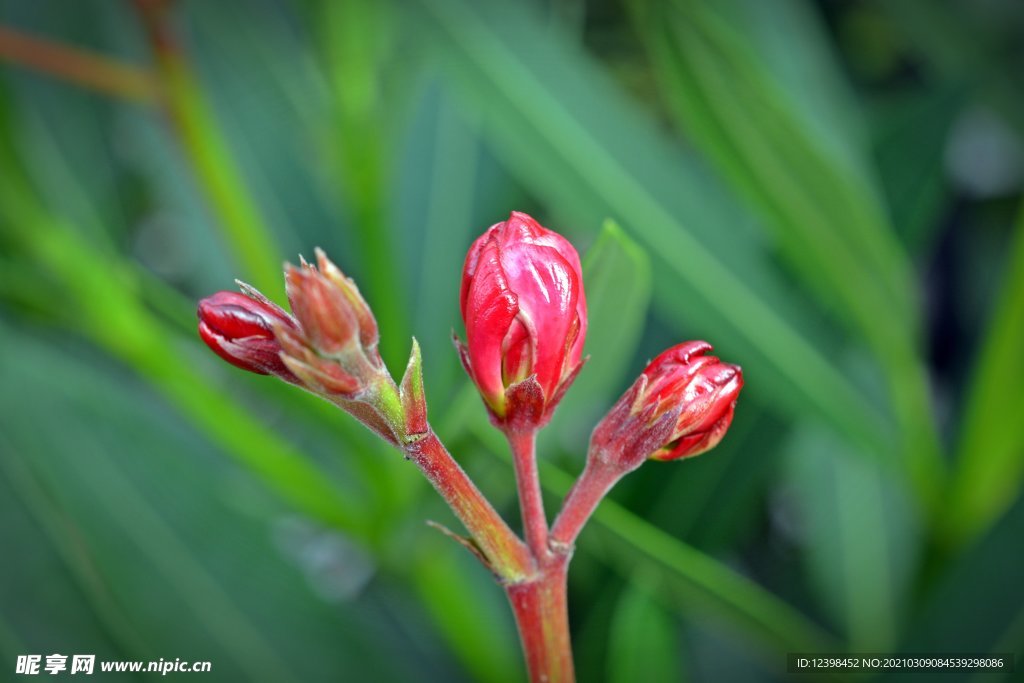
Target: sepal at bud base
(414,400)
(319,375)
(368,332)
(524,405)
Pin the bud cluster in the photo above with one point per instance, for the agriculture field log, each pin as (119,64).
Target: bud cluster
(525,314)
(329,347)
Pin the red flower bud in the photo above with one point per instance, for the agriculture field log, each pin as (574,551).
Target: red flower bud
(334,349)
(680,406)
(240,329)
(526,319)
(329,347)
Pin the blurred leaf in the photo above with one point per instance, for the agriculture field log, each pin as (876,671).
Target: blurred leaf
(79,601)
(102,292)
(158,541)
(910,146)
(977,605)
(990,453)
(358,42)
(714,656)
(439,207)
(617,280)
(558,123)
(217,173)
(465,605)
(945,36)
(703,584)
(721,62)
(644,643)
(860,538)
(712,503)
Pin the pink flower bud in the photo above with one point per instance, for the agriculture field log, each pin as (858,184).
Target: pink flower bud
(526,319)
(240,329)
(680,406)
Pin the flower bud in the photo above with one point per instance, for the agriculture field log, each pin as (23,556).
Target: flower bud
(240,329)
(331,311)
(328,348)
(334,348)
(680,406)
(525,313)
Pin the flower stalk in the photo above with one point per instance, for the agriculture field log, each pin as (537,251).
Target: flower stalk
(531,503)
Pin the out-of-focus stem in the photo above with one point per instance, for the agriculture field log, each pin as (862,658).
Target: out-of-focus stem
(203,143)
(358,41)
(506,553)
(531,502)
(84,68)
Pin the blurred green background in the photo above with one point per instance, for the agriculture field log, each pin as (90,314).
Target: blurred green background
(827,191)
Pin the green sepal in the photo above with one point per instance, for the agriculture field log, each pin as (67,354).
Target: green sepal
(414,401)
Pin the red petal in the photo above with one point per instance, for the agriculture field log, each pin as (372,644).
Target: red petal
(470,266)
(517,351)
(490,308)
(547,290)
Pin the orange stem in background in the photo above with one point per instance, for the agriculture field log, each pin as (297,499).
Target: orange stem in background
(81,67)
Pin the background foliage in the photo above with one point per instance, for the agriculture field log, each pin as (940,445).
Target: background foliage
(827,191)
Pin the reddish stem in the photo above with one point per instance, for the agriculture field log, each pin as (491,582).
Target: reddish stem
(78,66)
(508,556)
(531,504)
(542,616)
(597,479)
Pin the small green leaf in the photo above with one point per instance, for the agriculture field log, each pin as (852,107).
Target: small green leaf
(414,403)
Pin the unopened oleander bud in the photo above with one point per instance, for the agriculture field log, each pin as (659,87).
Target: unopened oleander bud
(525,313)
(680,406)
